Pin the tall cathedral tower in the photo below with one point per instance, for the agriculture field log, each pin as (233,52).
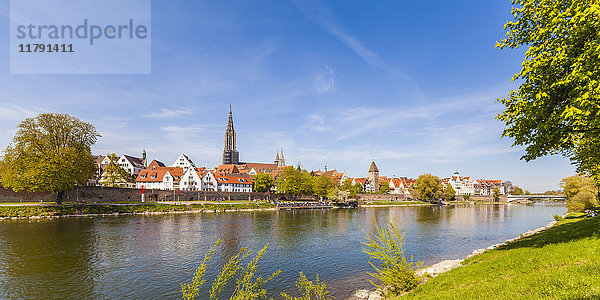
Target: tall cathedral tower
(230,155)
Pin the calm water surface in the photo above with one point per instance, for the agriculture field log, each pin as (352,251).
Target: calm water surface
(147,257)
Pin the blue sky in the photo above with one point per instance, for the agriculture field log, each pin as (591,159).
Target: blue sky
(409,84)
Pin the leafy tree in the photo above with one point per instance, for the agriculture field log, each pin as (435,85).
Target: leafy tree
(384,187)
(113,175)
(527,192)
(508,186)
(555,110)
(429,187)
(466,197)
(580,192)
(347,185)
(294,182)
(448,193)
(496,192)
(50,152)
(414,193)
(322,185)
(583,200)
(336,194)
(356,188)
(517,191)
(574,184)
(263,182)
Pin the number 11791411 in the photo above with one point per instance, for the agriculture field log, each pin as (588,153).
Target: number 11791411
(50,48)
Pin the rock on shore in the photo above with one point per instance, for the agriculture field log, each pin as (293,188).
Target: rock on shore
(440,267)
(366,295)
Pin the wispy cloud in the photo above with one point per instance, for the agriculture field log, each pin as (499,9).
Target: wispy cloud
(324,80)
(15,112)
(318,13)
(165,113)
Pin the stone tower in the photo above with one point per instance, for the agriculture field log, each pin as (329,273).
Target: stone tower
(279,159)
(374,176)
(144,158)
(230,155)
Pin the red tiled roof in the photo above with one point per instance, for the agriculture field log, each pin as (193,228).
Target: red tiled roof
(156,164)
(227,169)
(260,167)
(157,174)
(234,179)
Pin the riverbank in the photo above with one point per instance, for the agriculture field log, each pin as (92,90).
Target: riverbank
(83,210)
(394,203)
(559,262)
(13,211)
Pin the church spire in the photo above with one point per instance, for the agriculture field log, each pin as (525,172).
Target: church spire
(230,121)
(230,154)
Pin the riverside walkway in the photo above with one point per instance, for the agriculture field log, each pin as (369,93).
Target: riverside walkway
(303,205)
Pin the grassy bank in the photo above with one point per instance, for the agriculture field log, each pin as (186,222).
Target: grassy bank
(562,262)
(63,210)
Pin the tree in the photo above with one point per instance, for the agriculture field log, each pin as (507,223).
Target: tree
(356,188)
(572,185)
(580,192)
(50,152)
(466,197)
(555,109)
(322,185)
(347,185)
(294,182)
(414,192)
(113,175)
(517,191)
(429,187)
(384,187)
(508,187)
(496,192)
(263,182)
(336,194)
(448,193)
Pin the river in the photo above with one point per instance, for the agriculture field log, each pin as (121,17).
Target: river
(147,257)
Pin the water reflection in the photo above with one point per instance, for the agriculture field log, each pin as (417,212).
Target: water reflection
(47,259)
(149,256)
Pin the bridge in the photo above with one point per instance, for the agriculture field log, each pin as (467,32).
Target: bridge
(512,198)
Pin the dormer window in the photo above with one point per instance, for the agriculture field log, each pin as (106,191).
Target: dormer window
(152,176)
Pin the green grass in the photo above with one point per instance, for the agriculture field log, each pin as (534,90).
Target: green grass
(394,203)
(562,262)
(62,210)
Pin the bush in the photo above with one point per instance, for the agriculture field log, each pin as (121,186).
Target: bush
(318,290)
(246,286)
(557,218)
(395,272)
(581,201)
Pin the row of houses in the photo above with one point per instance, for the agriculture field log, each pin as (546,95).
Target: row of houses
(403,185)
(469,186)
(184,175)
